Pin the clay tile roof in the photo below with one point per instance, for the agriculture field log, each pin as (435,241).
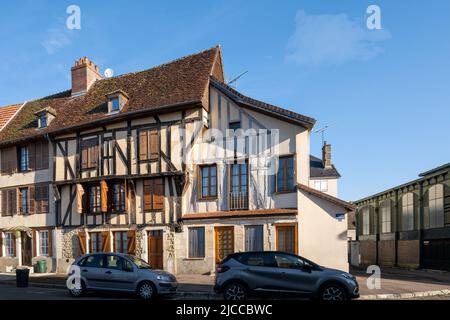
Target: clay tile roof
(346,205)
(240,213)
(241,99)
(179,82)
(7,112)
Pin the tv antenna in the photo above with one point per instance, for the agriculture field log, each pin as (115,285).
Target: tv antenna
(322,132)
(237,78)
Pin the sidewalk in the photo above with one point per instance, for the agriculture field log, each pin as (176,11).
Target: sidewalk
(395,284)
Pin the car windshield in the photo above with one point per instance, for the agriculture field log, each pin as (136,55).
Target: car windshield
(141,264)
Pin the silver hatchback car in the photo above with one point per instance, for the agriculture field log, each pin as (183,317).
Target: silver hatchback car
(118,273)
(272,272)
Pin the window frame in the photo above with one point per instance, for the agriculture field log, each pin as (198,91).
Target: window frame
(43,120)
(247,245)
(97,196)
(321,182)
(209,195)
(436,211)
(25,154)
(123,242)
(92,161)
(285,159)
(119,196)
(366,221)
(409,213)
(98,242)
(149,155)
(10,244)
(41,244)
(111,104)
(21,202)
(201,253)
(386,216)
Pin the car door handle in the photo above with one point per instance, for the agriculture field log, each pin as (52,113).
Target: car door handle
(108,272)
(84,270)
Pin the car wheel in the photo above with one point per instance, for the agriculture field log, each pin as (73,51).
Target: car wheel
(333,292)
(235,291)
(146,291)
(78,292)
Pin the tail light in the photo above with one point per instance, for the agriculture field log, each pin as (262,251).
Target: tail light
(222,269)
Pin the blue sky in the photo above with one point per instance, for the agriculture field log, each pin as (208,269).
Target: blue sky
(384,93)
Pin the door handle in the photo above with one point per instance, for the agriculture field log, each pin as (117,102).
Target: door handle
(108,272)
(84,270)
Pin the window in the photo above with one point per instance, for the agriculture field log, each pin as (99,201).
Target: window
(208,181)
(153,194)
(24,200)
(43,243)
(114,262)
(89,153)
(285,174)
(366,221)
(94,199)
(9,202)
(321,185)
(120,242)
(118,198)
(238,186)
(9,244)
(115,105)
(9,160)
(24,159)
(95,261)
(286,238)
(436,206)
(148,145)
(96,242)
(385,212)
(40,154)
(196,242)
(408,211)
(43,120)
(260,259)
(235,125)
(41,198)
(288,262)
(254,238)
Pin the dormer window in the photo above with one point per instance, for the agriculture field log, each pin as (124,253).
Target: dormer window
(115,106)
(45,116)
(43,121)
(116,100)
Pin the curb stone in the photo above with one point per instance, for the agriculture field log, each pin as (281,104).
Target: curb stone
(397,296)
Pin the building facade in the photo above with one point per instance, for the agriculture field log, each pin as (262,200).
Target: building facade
(170,164)
(409,225)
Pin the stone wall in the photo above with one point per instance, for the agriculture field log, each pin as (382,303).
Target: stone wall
(368,252)
(408,253)
(6,263)
(386,253)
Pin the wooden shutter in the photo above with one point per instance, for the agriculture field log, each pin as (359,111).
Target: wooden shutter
(153,141)
(32,156)
(104,196)
(9,160)
(4,162)
(4,202)
(1,243)
(38,155)
(131,242)
(93,154)
(50,242)
(82,241)
(143,145)
(45,155)
(31,200)
(44,198)
(158,195)
(20,209)
(34,240)
(84,155)
(37,199)
(148,192)
(106,241)
(12,201)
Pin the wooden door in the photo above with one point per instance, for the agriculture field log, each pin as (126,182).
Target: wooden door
(155,249)
(287,238)
(224,242)
(26,249)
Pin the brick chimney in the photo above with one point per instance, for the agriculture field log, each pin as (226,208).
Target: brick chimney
(326,155)
(84,74)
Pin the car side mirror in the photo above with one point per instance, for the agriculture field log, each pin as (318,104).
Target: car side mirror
(307,268)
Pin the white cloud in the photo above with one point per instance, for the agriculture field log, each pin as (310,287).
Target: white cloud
(56,39)
(332,39)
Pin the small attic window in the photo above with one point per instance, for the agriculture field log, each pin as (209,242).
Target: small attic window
(43,120)
(116,100)
(45,116)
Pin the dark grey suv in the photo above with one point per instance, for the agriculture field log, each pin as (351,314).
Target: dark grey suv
(249,273)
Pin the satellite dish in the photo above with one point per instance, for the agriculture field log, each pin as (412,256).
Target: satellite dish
(109,73)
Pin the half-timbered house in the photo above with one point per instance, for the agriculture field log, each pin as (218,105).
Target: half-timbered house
(170,164)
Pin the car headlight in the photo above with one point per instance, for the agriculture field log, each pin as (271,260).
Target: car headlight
(163,278)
